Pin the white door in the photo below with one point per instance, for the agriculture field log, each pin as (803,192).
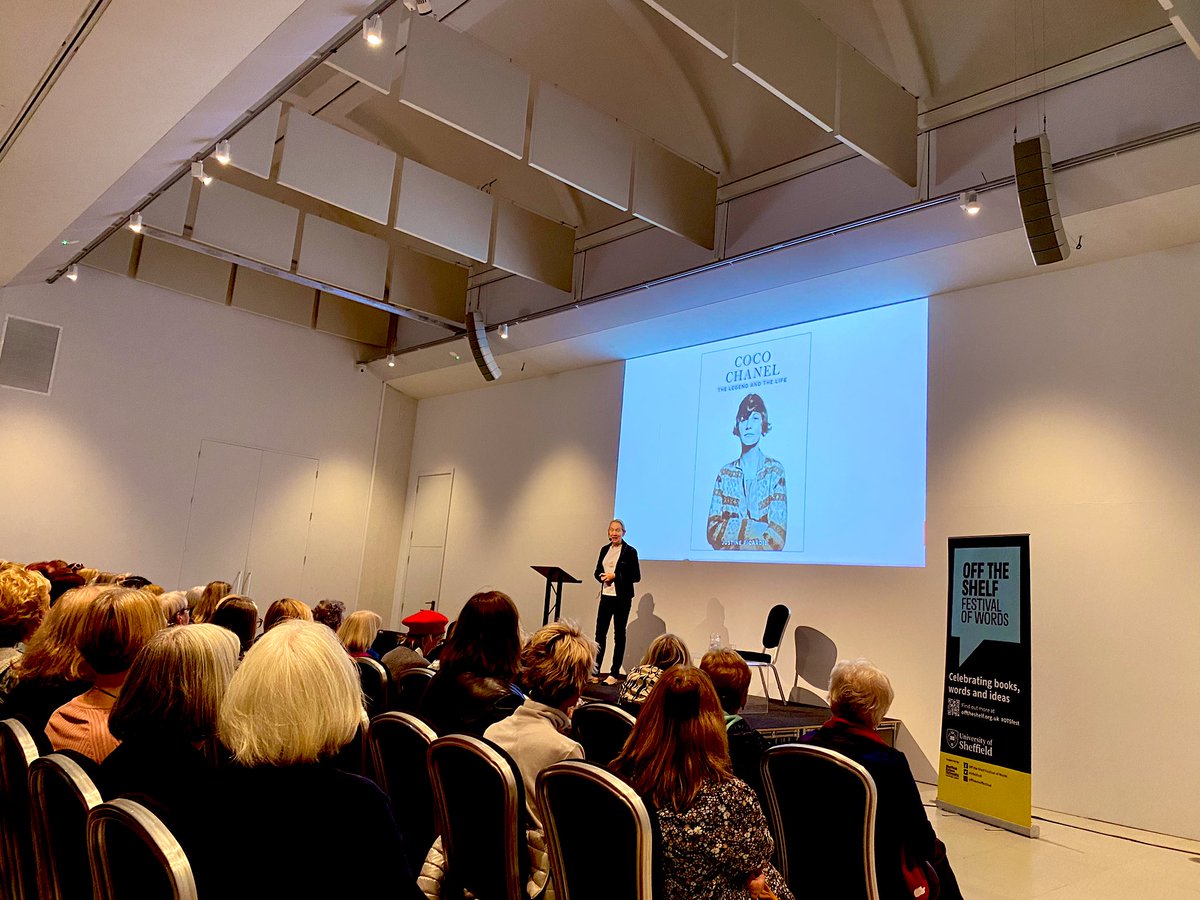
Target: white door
(279,538)
(427,543)
(249,521)
(222,514)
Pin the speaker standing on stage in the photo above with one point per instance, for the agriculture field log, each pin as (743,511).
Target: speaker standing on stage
(617,571)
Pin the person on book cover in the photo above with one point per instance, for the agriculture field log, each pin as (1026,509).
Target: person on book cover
(749,502)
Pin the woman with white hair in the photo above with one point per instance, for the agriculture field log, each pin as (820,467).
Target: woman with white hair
(860,695)
(293,703)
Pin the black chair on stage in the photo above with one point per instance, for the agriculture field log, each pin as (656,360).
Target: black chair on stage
(822,810)
(375,685)
(580,800)
(18,750)
(62,793)
(777,623)
(602,729)
(408,688)
(399,744)
(133,854)
(480,802)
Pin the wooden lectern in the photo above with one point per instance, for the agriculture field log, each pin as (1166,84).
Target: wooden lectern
(555,579)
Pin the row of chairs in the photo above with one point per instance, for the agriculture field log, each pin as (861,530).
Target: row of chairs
(59,840)
(821,807)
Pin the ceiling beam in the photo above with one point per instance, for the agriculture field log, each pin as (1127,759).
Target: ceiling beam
(912,65)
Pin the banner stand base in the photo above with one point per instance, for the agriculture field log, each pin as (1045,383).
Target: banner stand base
(1032,831)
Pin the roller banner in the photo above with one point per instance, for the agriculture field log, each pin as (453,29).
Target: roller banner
(984,766)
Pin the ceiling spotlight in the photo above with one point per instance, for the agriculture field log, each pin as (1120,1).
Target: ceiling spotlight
(72,272)
(503,330)
(454,355)
(392,360)
(135,223)
(373,30)
(222,152)
(198,172)
(420,7)
(968,202)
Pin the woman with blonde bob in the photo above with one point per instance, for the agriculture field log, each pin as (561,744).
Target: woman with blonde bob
(860,695)
(115,627)
(293,703)
(358,632)
(715,840)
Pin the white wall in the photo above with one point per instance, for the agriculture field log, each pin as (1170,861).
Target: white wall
(101,470)
(1064,405)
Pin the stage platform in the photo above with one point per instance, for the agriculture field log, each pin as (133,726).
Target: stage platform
(779,723)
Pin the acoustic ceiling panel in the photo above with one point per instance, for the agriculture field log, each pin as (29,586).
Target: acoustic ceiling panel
(341,256)
(376,67)
(183,270)
(790,53)
(267,295)
(253,148)
(876,116)
(708,21)
(169,209)
(232,219)
(443,211)
(675,194)
(533,246)
(428,284)
(457,80)
(325,162)
(114,254)
(345,318)
(581,146)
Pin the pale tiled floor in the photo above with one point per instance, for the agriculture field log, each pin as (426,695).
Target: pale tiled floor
(1066,862)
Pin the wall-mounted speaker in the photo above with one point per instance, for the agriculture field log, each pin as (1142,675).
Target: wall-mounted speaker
(477,335)
(28,350)
(1039,203)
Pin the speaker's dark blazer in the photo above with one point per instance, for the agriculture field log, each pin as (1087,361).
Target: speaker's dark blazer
(628,571)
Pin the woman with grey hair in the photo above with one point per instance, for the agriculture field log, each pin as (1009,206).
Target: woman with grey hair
(293,703)
(860,695)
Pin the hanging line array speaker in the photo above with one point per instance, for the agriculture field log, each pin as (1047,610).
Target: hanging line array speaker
(1039,202)
(477,335)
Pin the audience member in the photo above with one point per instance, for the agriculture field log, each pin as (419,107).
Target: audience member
(293,702)
(329,612)
(115,627)
(425,631)
(62,575)
(358,633)
(210,598)
(175,608)
(664,651)
(24,602)
(731,677)
(284,609)
(860,695)
(715,841)
(51,671)
(164,716)
(239,614)
(473,687)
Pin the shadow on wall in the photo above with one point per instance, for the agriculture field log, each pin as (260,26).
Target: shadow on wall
(701,637)
(642,631)
(815,655)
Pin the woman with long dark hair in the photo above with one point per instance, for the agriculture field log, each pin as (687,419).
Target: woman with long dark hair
(473,687)
(715,840)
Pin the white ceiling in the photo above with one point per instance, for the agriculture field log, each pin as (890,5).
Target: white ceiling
(156,81)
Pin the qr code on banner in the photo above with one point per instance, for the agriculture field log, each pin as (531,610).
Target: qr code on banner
(952,706)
